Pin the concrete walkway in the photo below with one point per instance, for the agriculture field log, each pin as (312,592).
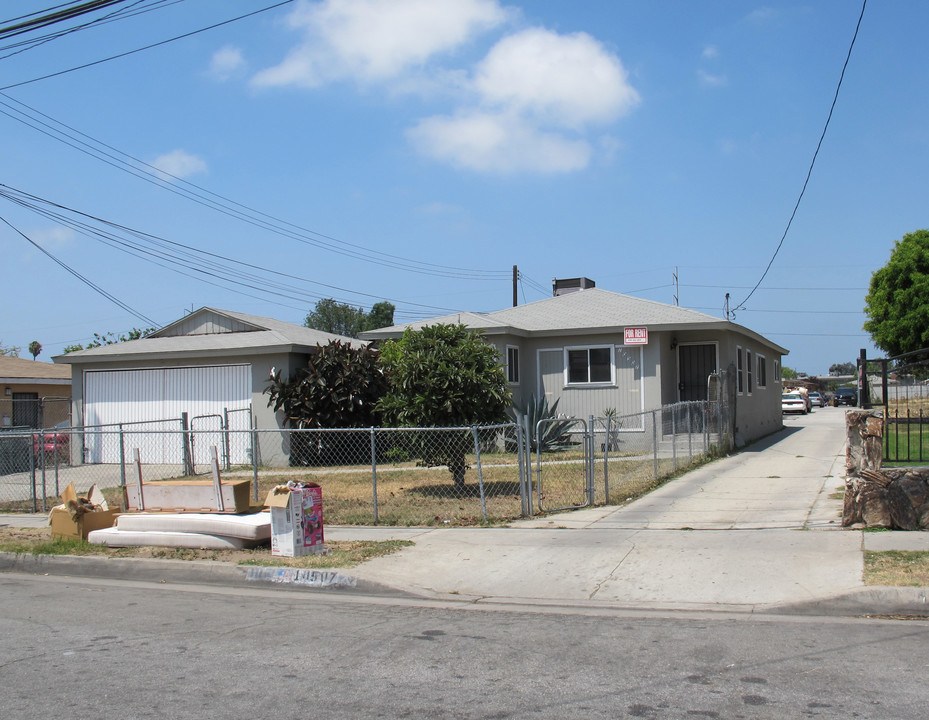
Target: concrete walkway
(759,530)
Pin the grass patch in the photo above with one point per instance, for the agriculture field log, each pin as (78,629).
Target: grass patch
(897,567)
(342,554)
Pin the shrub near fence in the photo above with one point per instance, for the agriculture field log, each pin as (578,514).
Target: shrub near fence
(394,476)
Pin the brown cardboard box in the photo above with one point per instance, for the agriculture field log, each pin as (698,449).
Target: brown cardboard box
(69,522)
(189,496)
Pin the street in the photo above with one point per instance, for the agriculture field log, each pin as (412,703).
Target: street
(97,648)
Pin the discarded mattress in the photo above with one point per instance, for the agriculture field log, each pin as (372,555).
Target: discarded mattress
(255,526)
(114,537)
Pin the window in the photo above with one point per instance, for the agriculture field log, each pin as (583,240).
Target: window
(748,370)
(777,370)
(512,364)
(762,375)
(589,365)
(740,370)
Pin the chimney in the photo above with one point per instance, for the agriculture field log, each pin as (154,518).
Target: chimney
(570,285)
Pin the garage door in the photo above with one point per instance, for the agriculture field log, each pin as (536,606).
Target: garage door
(149,403)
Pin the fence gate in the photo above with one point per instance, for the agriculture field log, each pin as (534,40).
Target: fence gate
(563,464)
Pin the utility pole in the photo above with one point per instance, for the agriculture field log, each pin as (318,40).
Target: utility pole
(676,288)
(515,280)
(727,306)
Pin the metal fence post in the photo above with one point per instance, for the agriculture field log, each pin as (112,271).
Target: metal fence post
(254,438)
(227,453)
(122,457)
(520,461)
(673,439)
(655,440)
(527,438)
(606,460)
(480,472)
(591,461)
(690,433)
(185,445)
(374,472)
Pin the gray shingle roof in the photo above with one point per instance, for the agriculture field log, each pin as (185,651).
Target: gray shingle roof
(269,335)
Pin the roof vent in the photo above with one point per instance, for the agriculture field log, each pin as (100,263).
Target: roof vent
(570,285)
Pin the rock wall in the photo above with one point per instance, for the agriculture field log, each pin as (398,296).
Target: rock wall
(896,498)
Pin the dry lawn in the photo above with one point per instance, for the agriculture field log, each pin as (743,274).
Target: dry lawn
(38,541)
(896,567)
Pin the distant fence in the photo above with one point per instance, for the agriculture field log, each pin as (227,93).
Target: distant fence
(393,476)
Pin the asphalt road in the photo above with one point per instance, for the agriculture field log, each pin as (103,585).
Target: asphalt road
(83,648)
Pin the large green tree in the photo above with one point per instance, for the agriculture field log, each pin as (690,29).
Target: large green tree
(343,319)
(35,347)
(897,304)
(847,368)
(439,377)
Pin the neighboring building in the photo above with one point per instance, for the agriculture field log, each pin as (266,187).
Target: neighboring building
(591,349)
(35,394)
(212,365)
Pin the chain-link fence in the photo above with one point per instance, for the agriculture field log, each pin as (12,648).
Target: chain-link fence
(34,411)
(392,476)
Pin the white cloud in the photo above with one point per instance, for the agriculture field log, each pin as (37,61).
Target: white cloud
(55,237)
(568,80)
(226,62)
(711,80)
(710,52)
(179,164)
(375,40)
(498,143)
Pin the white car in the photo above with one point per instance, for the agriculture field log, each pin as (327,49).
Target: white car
(793,402)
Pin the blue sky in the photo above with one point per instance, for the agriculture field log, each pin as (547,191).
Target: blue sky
(415,150)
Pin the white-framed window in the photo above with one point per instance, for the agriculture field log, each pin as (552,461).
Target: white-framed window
(777,370)
(748,372)
(512,364)
(739,369)
(761,378)
(590,365)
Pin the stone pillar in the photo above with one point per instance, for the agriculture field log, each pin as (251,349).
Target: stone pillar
(864,430)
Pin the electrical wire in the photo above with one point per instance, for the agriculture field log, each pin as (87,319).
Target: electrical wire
(146,47)
(188,260)
(741,305)
(86,281)
(80,141)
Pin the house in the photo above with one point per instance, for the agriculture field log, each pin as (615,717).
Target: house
(210,367)
(35,394)
(593,350)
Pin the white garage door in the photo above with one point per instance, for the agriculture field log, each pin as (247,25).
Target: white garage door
(149,404)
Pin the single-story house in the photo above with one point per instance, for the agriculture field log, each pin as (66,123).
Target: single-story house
(212,366)
(593,350)
(35,394)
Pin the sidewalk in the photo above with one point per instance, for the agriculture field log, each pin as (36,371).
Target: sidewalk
(756,531)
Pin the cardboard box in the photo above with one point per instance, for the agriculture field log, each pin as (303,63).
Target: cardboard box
(296,520)
(189,496)
(76,517)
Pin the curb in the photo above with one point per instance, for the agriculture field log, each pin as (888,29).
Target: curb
(192,572)
(878,600)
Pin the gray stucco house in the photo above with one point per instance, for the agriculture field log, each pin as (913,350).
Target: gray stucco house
(592,349)
(212,365)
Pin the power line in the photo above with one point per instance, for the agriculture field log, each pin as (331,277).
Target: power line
(80,141)
(146,47)
(86,281)
(741,305)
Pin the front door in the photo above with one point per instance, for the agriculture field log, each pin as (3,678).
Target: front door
(695,364)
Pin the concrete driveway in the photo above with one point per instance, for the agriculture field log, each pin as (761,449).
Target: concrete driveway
(756,528)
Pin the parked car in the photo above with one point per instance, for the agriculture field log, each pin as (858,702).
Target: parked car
(817,399)
(845,396)
(793,402)
(56,441)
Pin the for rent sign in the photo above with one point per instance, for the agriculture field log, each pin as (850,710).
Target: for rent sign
(636,336)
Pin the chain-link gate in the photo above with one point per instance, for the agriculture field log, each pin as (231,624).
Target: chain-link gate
(563,463)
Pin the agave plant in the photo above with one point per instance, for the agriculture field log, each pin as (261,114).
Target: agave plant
(554,434)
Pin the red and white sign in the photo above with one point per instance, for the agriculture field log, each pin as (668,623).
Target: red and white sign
(636,336)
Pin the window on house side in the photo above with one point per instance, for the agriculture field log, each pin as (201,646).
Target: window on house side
(590,365)
(512,364)
(748,370)
(762,378)
(740,372)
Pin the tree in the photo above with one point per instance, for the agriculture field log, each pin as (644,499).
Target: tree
(381,315)
(343,319)
(111,338)
(8,351)
(35,347)
(788,373)
(897,303)
(443,376)
(339,388)
(847,368)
